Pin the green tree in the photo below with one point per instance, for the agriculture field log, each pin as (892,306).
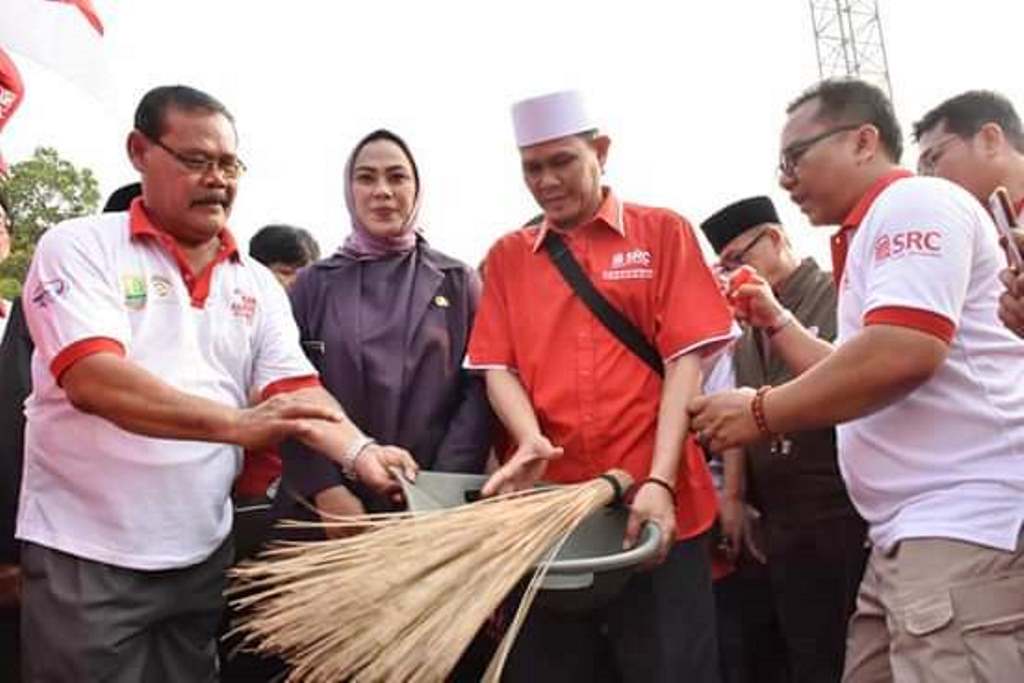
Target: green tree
(42,192)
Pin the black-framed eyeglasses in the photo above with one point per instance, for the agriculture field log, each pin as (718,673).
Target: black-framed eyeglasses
(930,157)
(734,261)
(789,158)
(231,167)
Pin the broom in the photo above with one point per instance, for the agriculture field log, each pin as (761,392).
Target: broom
(402,601)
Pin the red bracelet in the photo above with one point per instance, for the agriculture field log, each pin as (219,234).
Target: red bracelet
(757,408)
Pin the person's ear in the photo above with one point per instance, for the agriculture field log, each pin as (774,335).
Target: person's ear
(868,140)
(601,145)
(136,146)
(990,138)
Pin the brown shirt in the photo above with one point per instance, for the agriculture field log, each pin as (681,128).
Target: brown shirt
(803,485)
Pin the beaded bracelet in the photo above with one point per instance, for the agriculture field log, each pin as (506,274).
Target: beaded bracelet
(757,408)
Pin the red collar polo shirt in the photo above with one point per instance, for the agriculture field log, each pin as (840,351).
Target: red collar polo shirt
(947,460)
(117,283)
(591,394)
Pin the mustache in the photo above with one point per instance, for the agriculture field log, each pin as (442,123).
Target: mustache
(221,199)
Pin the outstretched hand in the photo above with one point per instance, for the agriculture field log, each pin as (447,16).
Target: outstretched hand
(525,468)
(280,417)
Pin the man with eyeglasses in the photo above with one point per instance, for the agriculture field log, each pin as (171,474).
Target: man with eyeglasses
(976,140)
(926,388)
(151,333)
(814,539)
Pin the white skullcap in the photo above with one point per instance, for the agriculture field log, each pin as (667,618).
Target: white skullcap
(549,117)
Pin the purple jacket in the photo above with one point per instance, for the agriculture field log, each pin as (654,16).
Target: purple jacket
(442,415)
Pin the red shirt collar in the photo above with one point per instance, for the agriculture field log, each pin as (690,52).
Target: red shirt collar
(142,225)
(841,240)
(1020,208)
(609,214)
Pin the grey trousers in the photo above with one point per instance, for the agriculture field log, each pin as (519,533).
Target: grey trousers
(88,621)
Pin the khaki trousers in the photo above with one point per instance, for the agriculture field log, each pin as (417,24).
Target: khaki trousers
(936,610)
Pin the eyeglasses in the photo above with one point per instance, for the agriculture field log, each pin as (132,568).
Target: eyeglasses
(789,158)
(734,261)
(930,157)
(231,167)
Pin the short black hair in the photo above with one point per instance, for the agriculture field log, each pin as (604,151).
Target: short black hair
(279,244)
(965,114)
(310,243)
(121,198)
(384,134)
(851,100)
(150,114)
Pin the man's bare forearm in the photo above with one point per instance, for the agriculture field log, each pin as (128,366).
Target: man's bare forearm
(681,384)
(874,369)
(799,348)
(511,404)
(735,473)
(134,399)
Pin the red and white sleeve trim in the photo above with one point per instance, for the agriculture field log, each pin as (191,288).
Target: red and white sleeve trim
(289,384)
(707,346)
(918,319)
(78,350)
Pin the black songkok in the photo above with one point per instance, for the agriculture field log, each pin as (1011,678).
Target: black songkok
(735,219)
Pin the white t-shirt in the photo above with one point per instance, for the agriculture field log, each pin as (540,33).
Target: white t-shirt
(107,283)
(948,459)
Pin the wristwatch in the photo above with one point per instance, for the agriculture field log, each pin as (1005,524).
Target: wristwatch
(352,453)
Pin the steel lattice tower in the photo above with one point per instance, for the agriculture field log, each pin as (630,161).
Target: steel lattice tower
(849,42)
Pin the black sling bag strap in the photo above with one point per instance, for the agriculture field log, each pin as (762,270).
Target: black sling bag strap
(620,326)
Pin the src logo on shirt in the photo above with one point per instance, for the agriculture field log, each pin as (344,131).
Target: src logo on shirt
(45,292)
(243,305)
(900,244)
(630,265)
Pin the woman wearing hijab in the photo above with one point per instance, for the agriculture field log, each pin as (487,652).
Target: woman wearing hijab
(386,321)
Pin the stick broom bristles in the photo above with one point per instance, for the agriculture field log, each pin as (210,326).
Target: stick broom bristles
(402,601)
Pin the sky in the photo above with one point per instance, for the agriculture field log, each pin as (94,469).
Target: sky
(693,95)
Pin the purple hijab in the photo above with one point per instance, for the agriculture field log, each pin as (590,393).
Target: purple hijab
(361,244)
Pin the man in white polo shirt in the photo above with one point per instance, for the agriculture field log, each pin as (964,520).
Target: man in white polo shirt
(151,331)
(927,388)
(976,140)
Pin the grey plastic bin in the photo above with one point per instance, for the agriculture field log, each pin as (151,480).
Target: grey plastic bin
(591,567)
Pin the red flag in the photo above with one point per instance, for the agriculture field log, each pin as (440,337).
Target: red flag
(12,90)
(63,35)
(86,8)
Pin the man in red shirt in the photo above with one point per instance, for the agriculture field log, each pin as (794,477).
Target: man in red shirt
(976,140)
(577,402)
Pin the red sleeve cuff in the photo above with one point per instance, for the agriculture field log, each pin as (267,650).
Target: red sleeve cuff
(283,386)
(75,352)
(914,318)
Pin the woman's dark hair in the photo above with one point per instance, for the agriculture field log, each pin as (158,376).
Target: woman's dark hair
(384,134)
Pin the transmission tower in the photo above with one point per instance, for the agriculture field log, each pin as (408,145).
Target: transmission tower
(849,42)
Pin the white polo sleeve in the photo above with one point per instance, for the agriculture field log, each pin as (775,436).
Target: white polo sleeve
(919,249)
(280,365)
(722,374)
(73,301)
